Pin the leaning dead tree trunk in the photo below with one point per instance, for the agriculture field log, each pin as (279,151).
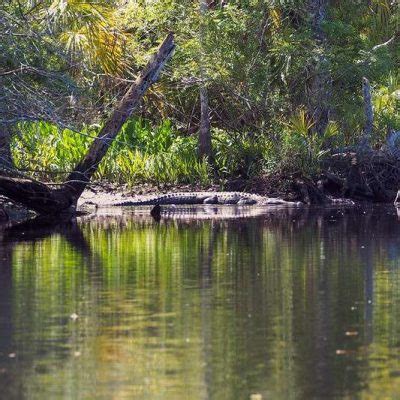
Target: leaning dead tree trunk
(78,180)
(45,200)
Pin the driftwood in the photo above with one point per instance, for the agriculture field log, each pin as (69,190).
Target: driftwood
(62,200)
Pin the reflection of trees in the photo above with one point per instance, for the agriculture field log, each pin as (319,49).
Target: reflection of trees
(221,308)
(350,242)
(206,253)
(40,287)
(7,371)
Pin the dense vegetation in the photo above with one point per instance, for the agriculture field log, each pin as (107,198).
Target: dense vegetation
(278,82)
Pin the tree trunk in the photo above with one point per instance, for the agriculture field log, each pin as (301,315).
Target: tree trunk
(35,195)
(40,197)
(319,91)
(317,10)
(88,166)
(205,125)
(368,109)
(6,161)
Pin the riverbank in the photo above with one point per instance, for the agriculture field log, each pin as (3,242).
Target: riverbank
(288,190)
(105,194)
(344,179)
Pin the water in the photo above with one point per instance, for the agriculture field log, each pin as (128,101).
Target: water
(287,304)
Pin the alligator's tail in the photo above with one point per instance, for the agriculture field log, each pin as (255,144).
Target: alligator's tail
(163,201)
(148,202)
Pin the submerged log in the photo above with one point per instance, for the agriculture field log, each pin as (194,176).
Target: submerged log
(46,200)
(156,212)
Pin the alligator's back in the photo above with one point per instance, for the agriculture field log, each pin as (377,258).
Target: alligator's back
(193,198)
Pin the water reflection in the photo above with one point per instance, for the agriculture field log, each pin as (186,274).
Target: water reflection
(286,304)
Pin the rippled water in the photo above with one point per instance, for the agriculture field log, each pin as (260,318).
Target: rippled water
(286,304)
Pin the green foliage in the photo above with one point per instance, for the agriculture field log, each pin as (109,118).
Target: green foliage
(139,154)
(302,148)
(256,58)
(239,155)
(87,29)
(259,55)
(386,99)
(140,134)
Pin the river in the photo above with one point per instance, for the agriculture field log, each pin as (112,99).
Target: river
(275,304)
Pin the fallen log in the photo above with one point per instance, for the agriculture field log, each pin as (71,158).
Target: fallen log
(46,200)
(34,195)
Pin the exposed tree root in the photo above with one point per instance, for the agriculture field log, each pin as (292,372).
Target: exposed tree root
(372,176)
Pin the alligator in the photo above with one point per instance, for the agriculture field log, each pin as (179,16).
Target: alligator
(195,198)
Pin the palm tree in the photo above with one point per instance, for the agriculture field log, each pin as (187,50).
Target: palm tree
(75,36)
(88,30)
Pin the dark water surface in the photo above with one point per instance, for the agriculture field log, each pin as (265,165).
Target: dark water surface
(289,304)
